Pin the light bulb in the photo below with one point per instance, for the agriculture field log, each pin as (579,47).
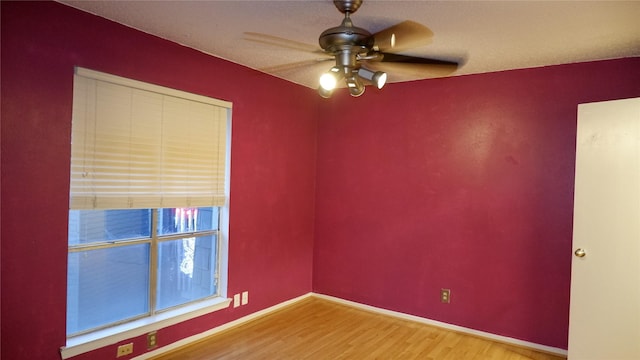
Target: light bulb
(328,81)
(381,80)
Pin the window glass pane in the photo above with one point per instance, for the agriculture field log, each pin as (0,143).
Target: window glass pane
(186,269)
(88,226)
(106,286)
(183,220)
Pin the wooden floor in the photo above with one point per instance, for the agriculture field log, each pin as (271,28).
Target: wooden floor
(315,328)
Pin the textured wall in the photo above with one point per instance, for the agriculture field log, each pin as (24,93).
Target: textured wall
(272,179)
(463,183)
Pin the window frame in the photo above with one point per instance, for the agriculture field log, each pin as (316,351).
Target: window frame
(153,241)
(157,319)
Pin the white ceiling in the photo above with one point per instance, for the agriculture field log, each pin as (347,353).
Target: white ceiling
(488,35)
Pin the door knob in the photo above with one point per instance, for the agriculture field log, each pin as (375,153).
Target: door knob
(580,253)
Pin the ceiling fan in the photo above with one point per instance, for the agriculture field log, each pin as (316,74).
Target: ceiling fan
(362,57)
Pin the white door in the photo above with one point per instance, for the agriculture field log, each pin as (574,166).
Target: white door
(604,319)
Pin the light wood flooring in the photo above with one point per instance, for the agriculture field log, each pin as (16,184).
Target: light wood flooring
(315,328)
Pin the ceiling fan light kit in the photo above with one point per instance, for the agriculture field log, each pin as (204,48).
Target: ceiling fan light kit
(377,78)
(352,78)
(353,47)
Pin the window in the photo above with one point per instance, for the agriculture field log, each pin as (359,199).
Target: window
(148,201)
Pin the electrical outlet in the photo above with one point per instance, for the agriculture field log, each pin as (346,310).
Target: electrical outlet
(236,300)
(245,298)
(125,349)
(445,295)
(152,340)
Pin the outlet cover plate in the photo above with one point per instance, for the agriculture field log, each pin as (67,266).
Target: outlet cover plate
(152,340)
(125,349)
(445,295)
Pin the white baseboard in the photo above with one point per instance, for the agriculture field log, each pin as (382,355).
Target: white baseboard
(202,335)
(494,337)
(482,334)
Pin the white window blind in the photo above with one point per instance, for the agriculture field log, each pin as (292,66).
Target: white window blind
(137,145)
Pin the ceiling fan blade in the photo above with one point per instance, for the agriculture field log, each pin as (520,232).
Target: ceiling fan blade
(406,59)
(403,36)
(281,42)
(307,72)
(407,68)
(295,65)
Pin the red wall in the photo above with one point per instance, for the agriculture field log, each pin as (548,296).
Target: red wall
(463,183)
(272,179)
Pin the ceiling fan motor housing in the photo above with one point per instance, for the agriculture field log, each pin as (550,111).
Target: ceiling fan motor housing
(346,37)
(337,38)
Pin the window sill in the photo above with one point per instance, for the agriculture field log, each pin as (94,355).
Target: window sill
(95,340)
